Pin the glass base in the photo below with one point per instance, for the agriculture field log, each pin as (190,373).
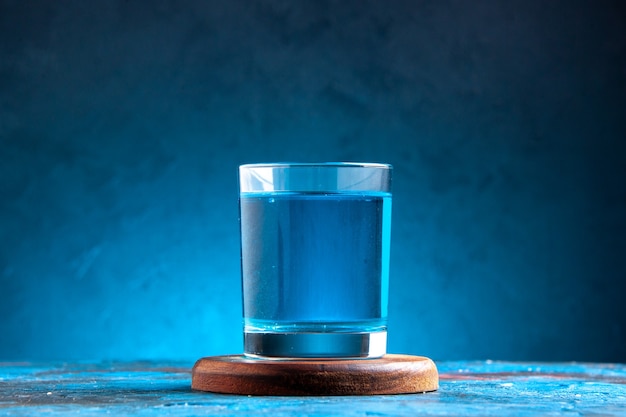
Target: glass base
(315,345)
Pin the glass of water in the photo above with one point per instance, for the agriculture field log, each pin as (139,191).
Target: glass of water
(315,259)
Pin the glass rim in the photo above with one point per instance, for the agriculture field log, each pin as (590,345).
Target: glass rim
(317,165)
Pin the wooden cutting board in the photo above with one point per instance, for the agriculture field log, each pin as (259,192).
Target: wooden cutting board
(391,374)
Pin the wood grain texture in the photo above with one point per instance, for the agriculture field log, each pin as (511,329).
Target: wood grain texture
(392,374)
(159,389)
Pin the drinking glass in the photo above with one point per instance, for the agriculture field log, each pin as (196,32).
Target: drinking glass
(315,243)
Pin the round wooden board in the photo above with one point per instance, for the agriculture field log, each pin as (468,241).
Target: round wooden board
(391,374)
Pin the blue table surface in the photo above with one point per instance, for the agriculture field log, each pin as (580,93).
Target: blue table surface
(163,388)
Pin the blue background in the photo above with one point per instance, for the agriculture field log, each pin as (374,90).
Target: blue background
(122,124)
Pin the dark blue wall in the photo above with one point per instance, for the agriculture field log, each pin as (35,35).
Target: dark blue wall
(122,124)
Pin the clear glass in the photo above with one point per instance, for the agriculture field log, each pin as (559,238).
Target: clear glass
(315,259)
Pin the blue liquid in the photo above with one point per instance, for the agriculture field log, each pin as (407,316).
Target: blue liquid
(315,262)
